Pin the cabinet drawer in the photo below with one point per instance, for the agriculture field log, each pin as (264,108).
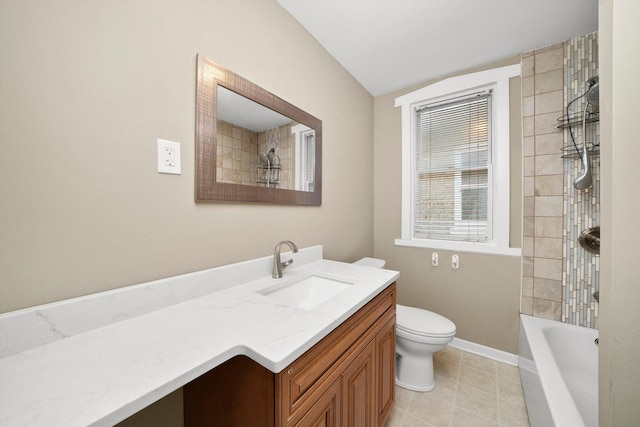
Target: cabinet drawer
(317,369)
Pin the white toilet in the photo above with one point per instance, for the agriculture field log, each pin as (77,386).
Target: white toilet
(419,334)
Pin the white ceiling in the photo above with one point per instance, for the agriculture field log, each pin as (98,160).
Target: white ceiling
(393,44)
(245,113)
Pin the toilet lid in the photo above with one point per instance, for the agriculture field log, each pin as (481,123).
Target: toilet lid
(422,322)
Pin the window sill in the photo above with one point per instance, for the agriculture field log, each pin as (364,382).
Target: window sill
(480,248)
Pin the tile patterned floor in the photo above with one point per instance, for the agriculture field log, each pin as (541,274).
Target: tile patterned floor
(471,391)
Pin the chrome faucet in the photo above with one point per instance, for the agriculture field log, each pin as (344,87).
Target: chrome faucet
(278,266)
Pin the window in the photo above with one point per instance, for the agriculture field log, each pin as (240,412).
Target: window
(455,164)
(305,153)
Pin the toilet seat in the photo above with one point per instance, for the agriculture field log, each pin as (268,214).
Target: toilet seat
(423,323)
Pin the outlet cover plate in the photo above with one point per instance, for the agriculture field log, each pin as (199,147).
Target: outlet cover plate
(169,157)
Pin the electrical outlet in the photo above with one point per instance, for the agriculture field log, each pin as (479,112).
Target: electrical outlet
(169,157)
(434,259)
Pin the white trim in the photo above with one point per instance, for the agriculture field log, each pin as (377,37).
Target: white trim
(467,82)
(457,246)
(300,151)
(498,80)
(484,351)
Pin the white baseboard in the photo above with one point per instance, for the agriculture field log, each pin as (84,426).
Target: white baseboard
(484,351)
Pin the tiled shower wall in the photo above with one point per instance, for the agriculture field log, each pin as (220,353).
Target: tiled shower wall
(581,274)
(542,92)
(557,277)
(237,154)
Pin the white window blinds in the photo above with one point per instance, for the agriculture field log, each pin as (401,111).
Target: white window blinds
(452,170)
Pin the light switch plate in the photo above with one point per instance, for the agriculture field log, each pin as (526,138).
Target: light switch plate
(169,157)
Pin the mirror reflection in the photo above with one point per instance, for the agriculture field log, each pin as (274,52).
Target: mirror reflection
(261,147)
(251,145)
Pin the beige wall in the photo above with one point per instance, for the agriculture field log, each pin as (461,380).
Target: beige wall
(619,371)
(482,297)
(88,87)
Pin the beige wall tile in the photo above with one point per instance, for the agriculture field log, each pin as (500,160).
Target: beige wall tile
(546,123)
(527,246)
(550,143)
(548,227)
(551,102)
(529,206)
(527,65)
(528,126)
(559,45)
(528,186)
(527,286)
(528,146)
(549,185)
(548,82)
(549,164)
(528,106)
(548,206)
(547,247)
(527,305)
(528,226)
(527,266)
(547,309)
(529,166)
(545,268)
(528,85)
(547,289)
(548,60)
(227,129)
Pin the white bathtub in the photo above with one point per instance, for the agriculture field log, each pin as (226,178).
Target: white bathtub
(559,370)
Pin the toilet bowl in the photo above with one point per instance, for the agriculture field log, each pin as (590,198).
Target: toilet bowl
(419,334)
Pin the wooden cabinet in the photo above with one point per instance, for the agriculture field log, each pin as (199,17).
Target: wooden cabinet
(386,364)
(359,390)
(326,411)
(347,379)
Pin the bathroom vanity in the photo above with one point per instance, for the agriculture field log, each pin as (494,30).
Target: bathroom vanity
(315,347)
(346,379)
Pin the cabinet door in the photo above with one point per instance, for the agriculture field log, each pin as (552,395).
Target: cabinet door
(359,389)
(326,411)
(386,361)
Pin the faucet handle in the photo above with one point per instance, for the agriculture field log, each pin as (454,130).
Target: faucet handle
(287,263)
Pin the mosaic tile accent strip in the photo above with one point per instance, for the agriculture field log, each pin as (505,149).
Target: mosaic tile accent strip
(580,278)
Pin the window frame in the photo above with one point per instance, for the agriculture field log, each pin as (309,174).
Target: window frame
(302,153)
(496,80)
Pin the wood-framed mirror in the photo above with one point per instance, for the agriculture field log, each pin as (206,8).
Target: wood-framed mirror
(252,146)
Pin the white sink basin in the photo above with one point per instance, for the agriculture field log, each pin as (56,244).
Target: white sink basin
(306,293)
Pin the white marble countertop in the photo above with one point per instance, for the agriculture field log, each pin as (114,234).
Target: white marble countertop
(103,375)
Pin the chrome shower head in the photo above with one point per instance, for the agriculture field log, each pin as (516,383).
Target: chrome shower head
(585,180)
